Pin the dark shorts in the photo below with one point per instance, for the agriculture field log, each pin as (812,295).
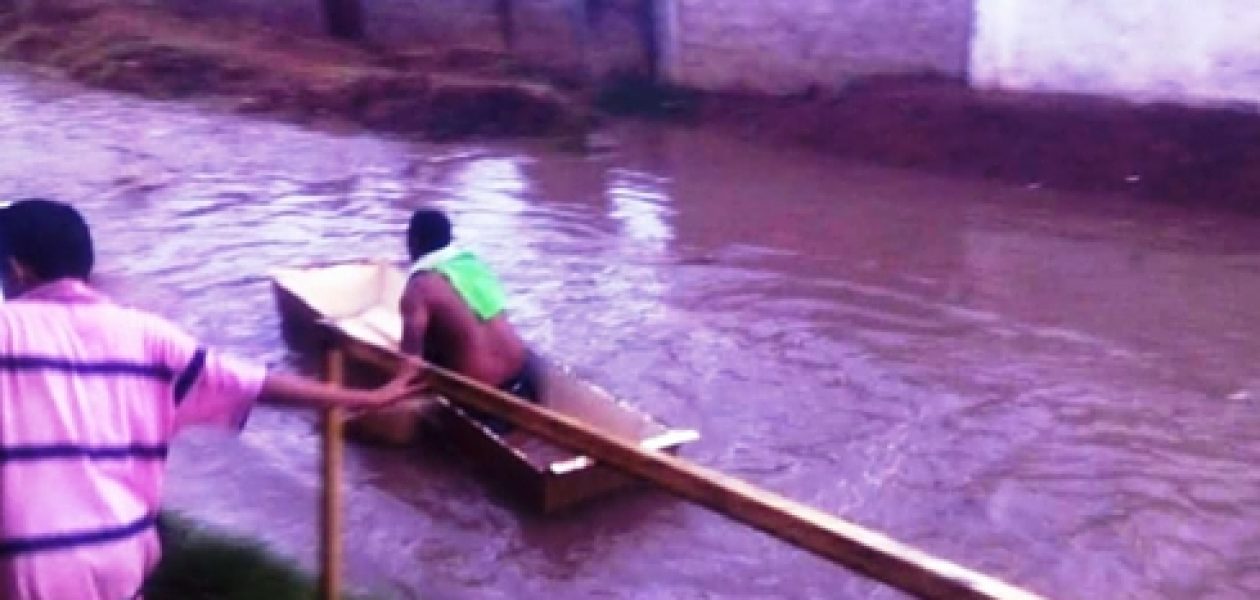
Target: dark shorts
(526,385)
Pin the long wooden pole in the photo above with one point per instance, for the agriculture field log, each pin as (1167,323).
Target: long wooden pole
(330,505)
(865,551)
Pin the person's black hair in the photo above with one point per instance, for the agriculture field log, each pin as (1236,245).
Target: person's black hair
(50,238)
(429,230)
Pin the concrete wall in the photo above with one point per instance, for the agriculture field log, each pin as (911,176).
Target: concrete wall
(1201,51)
(1205,50)
(473,23)
(590,36)
(301,16)
(785,46)
(594,37)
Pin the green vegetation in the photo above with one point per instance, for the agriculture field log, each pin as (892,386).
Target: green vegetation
(199,564)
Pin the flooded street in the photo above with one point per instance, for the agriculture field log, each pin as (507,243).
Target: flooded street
(1059,390)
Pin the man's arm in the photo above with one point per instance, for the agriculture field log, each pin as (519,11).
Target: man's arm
(217,389)
(283,388)
(415,314)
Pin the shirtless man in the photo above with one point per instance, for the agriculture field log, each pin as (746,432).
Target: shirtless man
(454,315)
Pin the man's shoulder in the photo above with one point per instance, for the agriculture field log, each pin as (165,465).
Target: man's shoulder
(21,320)
(424,284)
(139,321)
(37,309)
(429,290)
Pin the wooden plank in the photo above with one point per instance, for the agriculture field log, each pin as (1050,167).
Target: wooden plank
(862,550)
(330,505)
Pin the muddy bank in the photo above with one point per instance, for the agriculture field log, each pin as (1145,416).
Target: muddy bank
(1159,151)
(440,94)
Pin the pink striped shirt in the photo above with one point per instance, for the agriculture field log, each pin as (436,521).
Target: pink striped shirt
(91,394)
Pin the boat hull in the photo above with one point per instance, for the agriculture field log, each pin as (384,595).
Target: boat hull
(353,307)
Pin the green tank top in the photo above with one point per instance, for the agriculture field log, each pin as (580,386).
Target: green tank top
(471,278)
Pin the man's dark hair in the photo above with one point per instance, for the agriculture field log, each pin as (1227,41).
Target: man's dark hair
(429,230)
(50,238)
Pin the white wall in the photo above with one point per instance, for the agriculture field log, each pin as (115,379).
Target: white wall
(1190,50)
(786,46)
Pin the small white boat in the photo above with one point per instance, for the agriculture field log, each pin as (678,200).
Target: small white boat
(354,307)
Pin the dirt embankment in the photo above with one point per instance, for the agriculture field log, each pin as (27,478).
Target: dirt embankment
(439,94)
(1165,152)
(1160,151)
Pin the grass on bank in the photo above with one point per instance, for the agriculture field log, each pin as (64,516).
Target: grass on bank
(200,564)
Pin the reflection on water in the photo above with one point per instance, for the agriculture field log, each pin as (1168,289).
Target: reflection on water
(640,202)
(1058,390)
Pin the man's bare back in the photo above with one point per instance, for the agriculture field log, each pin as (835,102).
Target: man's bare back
(454,315)
(439,325)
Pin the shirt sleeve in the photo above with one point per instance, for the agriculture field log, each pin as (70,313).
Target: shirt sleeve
(209,387)
(216,389)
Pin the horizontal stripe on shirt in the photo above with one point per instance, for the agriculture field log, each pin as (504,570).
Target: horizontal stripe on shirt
(83,367)
(190,375)
(28,453)
(64,541)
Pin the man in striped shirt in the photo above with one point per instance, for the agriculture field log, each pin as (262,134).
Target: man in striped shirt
(91,394)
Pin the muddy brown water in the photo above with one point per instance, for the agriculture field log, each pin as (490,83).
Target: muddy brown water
(1060,390)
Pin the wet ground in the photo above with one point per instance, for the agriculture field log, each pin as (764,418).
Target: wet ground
(1060,390)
